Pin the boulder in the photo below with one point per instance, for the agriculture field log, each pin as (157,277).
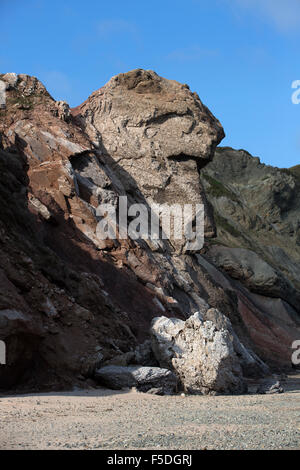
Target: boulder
(251,364)
(202,355)
(143,378)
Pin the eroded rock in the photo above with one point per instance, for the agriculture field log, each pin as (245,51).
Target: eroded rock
(155,134)
(202,355)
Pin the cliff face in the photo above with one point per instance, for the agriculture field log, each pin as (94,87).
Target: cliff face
(257,213)
(69,301)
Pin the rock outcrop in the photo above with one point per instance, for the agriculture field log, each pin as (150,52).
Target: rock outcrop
(257,208)
(155,134)
(255,273)
(70,302)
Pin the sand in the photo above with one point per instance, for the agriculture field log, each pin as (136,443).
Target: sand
(105,419)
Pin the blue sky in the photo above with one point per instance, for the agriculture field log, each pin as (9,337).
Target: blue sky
(241,56)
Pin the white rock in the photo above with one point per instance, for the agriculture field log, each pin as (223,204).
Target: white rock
(202,356)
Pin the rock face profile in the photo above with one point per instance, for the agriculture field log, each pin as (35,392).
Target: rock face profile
(155,134)
(201,354)
(139,114)
(72,304)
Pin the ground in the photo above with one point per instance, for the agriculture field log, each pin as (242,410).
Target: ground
(103,419)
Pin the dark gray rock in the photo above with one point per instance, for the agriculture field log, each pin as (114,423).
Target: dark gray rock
(270,388)
(156,391)
(256,206)
(141,356)
(143,378)
(250,268)
(144,356)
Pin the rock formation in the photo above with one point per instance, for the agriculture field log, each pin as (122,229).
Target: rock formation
(146,379)
(155,134)
(201,353)
(69,302)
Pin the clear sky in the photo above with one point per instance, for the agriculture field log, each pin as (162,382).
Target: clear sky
(241,56)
